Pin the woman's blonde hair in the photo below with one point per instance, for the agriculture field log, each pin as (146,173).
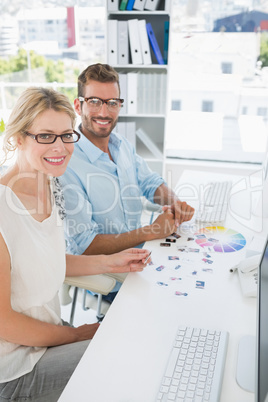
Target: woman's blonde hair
(31,103)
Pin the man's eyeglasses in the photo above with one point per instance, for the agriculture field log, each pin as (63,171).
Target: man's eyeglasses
(95,103)
(67,138)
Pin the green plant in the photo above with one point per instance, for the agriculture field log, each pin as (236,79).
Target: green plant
(264,50)
(2,126)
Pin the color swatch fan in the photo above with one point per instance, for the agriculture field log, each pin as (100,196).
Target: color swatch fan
(220,239)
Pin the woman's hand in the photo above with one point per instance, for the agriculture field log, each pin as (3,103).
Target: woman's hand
(86,331)
(130,260)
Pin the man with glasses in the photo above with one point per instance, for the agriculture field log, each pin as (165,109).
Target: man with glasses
(105,178)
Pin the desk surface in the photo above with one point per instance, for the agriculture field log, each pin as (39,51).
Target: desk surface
(126,359)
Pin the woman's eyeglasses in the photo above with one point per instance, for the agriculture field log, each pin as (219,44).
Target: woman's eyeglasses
(43,138)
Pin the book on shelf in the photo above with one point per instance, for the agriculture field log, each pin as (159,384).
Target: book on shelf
(112,42)
(149,143)
(123,53)
(130,5)
(167,5)
(156,97)
(143,101)
(134,41)
(152,95)
(139,5)
(120,128)
(154,44)
(123,5)
(132,92)
(151,5)
(144,41)
(131,133)
(166,38)
(123,91)
(163,92)
(127,130)
(112,5)
(143,92)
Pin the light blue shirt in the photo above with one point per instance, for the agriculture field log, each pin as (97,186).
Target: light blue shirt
(104,196)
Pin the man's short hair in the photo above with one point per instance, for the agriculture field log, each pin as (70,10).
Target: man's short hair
(97,72)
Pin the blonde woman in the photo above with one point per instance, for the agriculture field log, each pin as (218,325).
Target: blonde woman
(38,353)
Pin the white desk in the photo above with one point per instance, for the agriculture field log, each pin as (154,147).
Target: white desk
(126,359)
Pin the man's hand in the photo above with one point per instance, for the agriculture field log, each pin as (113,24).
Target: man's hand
(164,225)
(182,211)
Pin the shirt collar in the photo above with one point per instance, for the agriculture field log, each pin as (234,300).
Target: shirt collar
(93,152)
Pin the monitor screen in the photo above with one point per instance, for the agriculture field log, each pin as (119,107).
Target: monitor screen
(262,330)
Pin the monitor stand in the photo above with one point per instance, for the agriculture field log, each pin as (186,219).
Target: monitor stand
(246,362)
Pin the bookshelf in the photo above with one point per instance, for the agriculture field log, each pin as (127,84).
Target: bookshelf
(143,82)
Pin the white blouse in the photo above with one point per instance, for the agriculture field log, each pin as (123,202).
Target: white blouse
(37,253)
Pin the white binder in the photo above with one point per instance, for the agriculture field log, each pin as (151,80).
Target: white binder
(112,42)
(123,91)
(127,130)
(131,132)
(168,5)
(163,93)
(141,92)
(123,56)
(112,5)
(134,40)
(139,5)
(151,5)
(144,41)
(132,93)
(120,128)
(155,93)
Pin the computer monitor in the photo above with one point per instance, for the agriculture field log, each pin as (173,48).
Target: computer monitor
(252,361)
(260,198)
(261,385)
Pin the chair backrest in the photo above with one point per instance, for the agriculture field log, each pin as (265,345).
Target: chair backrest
(150,208)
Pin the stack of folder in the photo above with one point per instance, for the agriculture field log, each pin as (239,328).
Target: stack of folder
(138,5)
(143,93)
(138,36)
(128,130)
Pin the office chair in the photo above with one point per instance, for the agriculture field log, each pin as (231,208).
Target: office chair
(149,208)
(100,284)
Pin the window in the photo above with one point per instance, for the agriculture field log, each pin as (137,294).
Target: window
(176,104)
(207,106)
(46,30)
(226,68)
(262,111)
(214,72)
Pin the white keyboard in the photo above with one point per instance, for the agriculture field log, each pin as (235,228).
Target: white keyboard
(214,207)
(195,366)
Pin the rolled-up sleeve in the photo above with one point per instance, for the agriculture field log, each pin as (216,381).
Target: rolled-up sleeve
(148,180)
